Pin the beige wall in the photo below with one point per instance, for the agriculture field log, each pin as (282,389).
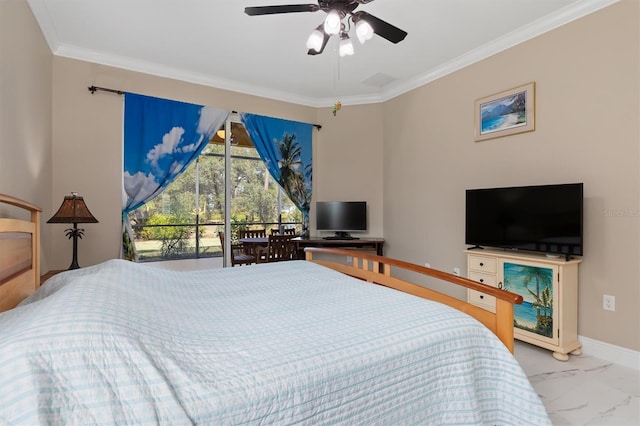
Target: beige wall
(587,130)
(348,160)
(25,112)
(87,151)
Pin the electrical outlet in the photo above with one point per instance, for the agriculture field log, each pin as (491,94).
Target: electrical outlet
(427,264)
(608,303)
(456,271)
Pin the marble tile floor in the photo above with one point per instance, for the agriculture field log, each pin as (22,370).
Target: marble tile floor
(584,390)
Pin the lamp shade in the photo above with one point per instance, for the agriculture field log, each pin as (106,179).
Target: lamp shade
(73,210)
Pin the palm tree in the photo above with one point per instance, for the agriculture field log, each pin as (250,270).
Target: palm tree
(544,322)
(292,178)
(534,274)
(543,300)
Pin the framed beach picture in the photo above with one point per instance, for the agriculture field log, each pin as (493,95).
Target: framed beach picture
(505,113)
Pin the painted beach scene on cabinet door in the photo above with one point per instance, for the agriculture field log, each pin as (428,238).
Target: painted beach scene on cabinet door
(535,285)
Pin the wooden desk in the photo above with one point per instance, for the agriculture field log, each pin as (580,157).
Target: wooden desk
(370,243)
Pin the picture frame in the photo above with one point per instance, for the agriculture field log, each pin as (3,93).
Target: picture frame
(506,113)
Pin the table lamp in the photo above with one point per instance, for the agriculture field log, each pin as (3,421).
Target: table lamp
(73,210)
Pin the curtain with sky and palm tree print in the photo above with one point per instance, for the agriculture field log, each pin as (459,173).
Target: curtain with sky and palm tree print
(285,148)
(161,138)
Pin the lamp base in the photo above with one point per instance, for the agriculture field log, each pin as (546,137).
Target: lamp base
(74,261)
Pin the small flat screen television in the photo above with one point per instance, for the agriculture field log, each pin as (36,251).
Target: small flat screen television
(543,218)
(342,217)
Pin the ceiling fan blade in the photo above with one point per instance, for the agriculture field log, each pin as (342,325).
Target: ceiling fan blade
(382,28)
(288,8)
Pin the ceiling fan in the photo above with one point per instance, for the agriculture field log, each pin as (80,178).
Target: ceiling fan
(337,10)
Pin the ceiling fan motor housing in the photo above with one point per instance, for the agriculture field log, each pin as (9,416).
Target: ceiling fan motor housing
(342,6)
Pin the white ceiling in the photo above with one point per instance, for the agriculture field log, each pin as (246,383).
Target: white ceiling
(214,43)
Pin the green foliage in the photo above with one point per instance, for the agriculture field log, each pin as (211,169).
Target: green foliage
(294,216)
(544,325)
(174,239)
(254,200)
(543,299)
(544,304)
(129,252)
(236,225)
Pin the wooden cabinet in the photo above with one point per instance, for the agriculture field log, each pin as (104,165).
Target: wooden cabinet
(548,317)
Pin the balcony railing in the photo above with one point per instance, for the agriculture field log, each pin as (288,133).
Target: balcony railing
(191,240)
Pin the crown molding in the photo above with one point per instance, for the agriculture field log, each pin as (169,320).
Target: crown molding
(179,74)
(543,25)
(576,10)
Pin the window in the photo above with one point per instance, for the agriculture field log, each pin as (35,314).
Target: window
(183,222)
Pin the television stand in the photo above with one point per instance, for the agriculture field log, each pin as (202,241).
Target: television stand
(341,235)
(552,323)
(364,243)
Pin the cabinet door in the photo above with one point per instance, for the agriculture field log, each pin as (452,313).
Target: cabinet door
(536,319)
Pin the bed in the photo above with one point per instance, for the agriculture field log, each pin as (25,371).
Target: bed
(311,341)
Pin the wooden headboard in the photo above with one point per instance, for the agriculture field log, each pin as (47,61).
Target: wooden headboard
(19,254)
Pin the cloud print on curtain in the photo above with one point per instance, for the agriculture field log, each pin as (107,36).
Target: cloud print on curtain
(285,147)
(161,138)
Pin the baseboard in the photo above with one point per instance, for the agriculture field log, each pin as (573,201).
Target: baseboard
(616,354)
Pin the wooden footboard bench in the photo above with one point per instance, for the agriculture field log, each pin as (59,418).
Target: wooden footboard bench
(384,271)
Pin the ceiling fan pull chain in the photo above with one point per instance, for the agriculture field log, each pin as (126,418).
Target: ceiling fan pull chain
(336,77)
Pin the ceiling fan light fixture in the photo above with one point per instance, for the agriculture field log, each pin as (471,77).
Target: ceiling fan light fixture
(346,47)
(314,42)
(340,18)
(364,31)
(332,22)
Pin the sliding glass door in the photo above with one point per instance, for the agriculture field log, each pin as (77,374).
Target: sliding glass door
(226,189)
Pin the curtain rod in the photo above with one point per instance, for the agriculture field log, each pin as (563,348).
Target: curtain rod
(94,89)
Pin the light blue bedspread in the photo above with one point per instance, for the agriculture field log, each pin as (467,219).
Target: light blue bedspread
(291,342)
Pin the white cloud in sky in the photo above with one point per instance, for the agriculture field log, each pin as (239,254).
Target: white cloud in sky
(175,167)
(192,147)
(169,143)
(209,120)
(139,186)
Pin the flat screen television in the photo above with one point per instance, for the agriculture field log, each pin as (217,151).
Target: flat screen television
(342,217)
(543,218)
